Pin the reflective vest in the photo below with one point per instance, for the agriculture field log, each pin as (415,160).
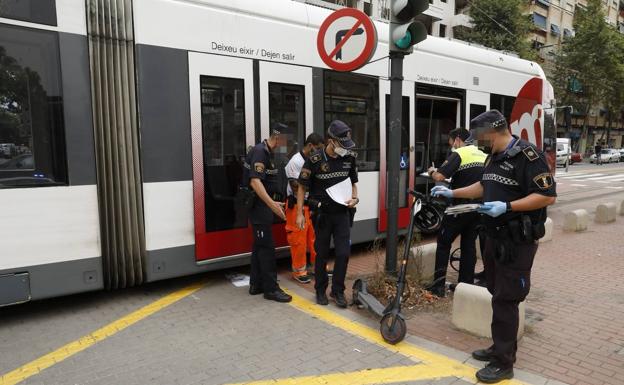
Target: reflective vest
(470,156)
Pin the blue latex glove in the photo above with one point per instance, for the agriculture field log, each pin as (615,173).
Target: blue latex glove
(441,191)
(493,209)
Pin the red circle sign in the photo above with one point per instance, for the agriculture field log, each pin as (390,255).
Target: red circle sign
(342,37)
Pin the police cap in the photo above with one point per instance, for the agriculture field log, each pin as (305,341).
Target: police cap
(339,131)
(279,128)
(489,120)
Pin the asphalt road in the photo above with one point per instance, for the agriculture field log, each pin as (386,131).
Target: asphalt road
(584,180)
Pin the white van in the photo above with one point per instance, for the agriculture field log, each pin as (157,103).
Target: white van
(564,152)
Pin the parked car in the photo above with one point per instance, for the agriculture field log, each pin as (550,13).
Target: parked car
(564,152)
(621,154)
(608,155)
(576,158)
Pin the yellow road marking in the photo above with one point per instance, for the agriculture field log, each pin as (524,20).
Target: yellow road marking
(64,352)
(453,368)
(365,377)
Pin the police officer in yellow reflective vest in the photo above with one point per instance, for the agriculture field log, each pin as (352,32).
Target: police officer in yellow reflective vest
(517,186)
(464,167)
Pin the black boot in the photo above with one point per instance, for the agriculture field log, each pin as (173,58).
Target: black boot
(278,296)
(321,298)
(437,290)
(255,289)
(484,354)
(493,373)
(340,299)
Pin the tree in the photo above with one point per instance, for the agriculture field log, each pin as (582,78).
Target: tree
(589,64)
(502,25)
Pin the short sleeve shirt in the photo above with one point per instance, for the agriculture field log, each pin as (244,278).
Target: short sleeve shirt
(514,174)
(293,169)
(321,171)
(260,163)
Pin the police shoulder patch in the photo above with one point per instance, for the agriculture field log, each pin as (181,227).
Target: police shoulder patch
(259,167)
(305,173)
(315,157)
(530,153)
(324,167)
(544,180)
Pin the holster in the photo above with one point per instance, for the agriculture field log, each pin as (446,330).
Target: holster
(504,245)
(245,197)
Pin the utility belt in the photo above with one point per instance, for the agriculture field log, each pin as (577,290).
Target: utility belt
(520,230)
(319,213)
(246,197)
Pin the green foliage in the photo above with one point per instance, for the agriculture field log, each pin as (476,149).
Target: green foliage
(502,25)
(593,58)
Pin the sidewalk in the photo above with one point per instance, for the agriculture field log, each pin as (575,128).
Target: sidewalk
(203,330)
(575,311)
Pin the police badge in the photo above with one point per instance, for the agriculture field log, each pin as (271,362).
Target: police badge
(324,167)
(543,181)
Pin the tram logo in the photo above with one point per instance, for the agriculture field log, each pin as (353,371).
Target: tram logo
(527,116)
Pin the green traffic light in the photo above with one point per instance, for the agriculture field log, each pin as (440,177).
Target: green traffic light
(405,41)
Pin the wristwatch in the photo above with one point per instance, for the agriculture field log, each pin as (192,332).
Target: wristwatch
(357,200)
(508,204)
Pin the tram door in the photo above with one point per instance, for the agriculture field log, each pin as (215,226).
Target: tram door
(285,97)
(406,173)
(222,127)
(435,118)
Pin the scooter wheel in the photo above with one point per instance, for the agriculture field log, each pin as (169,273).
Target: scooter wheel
(390,334)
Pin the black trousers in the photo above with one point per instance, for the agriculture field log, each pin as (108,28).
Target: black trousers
(327,225)
(509,285)
(263,268)
(453,226)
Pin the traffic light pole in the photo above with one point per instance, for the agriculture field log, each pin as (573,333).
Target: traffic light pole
(393,159)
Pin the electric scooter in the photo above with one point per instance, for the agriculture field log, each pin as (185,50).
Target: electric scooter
(393,328)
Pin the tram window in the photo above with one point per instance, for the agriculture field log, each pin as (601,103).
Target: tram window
(476,110)
(32,143)
(287,106)
(435,118)
(405,152)
(223,134)
(354,99)
(502,103)
(34,11)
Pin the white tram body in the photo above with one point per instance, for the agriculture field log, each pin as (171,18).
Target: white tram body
(148,131)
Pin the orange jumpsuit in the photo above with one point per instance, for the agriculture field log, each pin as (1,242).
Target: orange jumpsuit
(300,240)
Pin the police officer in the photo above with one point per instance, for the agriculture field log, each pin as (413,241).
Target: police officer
(465,167)
(262,175)
(516,187)
(321,170)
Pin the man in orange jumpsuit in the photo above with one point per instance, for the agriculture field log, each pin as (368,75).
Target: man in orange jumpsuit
(299,240)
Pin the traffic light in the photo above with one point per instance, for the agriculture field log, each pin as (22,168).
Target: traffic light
(404,30)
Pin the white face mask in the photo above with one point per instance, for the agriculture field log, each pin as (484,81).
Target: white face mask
(341,152)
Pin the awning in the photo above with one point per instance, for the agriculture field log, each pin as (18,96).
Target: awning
(554,29)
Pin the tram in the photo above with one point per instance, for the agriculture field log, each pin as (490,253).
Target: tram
(131,118)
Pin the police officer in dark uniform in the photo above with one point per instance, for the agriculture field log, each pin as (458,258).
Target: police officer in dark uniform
(465,167)
(262,175)
(516,187)
(321,170)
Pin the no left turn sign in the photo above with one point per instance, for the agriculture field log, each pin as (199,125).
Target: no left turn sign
(347,40)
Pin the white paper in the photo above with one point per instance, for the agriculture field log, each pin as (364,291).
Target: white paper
(238,280)
(341,192)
